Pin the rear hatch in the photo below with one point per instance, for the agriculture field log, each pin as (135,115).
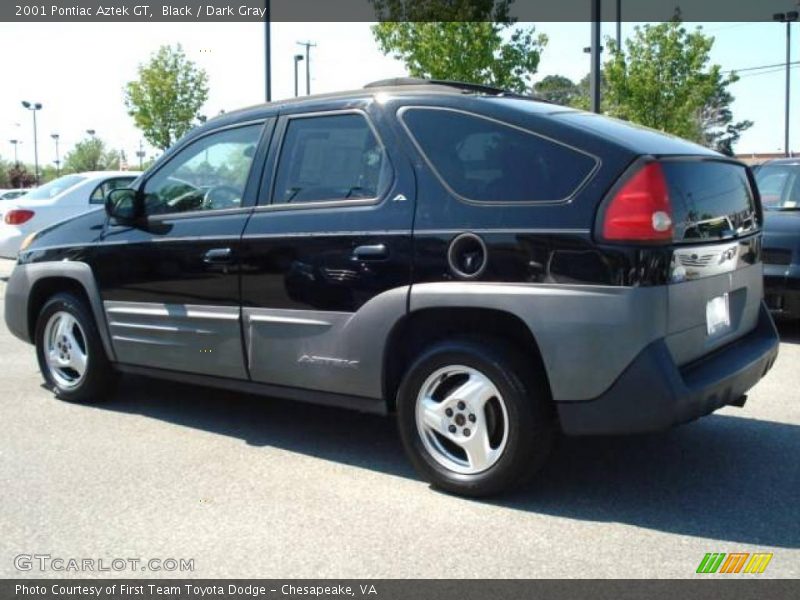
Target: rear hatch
(707,211)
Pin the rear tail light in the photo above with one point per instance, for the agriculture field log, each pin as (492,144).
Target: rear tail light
(640,211)
(18,216)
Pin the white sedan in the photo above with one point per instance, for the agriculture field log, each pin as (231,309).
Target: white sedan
(60,199)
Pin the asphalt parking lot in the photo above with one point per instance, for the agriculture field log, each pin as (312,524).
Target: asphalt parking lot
(254,487)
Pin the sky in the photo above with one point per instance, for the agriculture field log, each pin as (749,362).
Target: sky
(78,72)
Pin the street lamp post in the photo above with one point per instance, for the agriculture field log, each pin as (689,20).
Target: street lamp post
(297,59)
(308,46)
(55,137)
(594,79)
(140,154)
(16,158)
(788,18)
(33,107)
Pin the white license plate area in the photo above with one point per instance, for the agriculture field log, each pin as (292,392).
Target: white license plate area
(718,315)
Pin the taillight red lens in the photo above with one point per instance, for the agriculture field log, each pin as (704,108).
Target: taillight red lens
(18,216)
(641,210)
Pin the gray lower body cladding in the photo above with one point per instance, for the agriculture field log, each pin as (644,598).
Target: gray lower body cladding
(653,393)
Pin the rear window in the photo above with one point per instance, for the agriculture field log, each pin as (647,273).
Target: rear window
(54,188)
(711,200)
(779,186)
(484,160)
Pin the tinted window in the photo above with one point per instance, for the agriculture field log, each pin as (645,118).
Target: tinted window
(101,191)
(710,199)
(779,186)
(484,160)
(336,157)
(55,187)
(209,174)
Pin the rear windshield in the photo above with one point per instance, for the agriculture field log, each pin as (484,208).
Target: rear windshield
(779,186)
(485,160)
(54,188)
(711,200)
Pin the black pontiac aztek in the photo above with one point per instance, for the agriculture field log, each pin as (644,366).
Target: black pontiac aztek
(491,268)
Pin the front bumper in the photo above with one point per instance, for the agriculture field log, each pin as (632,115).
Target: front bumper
(782,289)
(653,393)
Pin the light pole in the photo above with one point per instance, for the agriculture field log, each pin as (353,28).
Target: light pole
(55,137)
(33,107)
(297,59)
(140,154)
(16,158)
(594,79)
(788,18)
(268,51)
(308,46)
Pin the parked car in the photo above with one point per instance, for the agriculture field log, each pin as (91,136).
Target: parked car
(779,183)
(11,194)
(490,268)
(55,201)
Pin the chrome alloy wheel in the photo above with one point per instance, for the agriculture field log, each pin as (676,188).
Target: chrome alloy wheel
(65,349)
(462,419)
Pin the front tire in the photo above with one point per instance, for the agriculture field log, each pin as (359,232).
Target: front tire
(474,418)
(70,352)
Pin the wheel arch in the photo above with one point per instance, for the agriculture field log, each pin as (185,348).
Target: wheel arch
(420,328)
(46,279)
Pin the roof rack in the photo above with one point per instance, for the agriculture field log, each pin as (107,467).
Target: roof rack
(457,85)
(460,85)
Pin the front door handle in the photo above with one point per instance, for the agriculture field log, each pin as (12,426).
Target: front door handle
(371,252)
(218,256)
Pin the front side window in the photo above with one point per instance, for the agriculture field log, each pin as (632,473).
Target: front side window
(209,174)
(488,161)
(101,191)
(336,157)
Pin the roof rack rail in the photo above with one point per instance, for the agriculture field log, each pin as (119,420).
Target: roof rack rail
(457,85)
(460,85)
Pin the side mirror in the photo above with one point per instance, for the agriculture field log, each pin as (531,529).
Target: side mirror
(124,206)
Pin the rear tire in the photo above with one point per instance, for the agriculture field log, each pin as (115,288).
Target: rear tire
(474,417)
(70,352)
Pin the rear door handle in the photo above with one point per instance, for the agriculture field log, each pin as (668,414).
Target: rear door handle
(371,252)
(218,256)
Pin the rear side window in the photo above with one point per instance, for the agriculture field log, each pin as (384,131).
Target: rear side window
(710,199)
(484,160)
(330,158)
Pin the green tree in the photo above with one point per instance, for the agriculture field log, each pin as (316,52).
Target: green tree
(91,155)
(166,98)
(462,40)
(664,80)
(719,130)
(559,89)
(5,166)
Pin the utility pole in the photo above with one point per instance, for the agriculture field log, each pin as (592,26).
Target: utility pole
(268,51)
(308,46)
(594,79)
(619,25)
(788,18)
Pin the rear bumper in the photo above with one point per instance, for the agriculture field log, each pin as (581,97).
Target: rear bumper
(10,241)
(653,393)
